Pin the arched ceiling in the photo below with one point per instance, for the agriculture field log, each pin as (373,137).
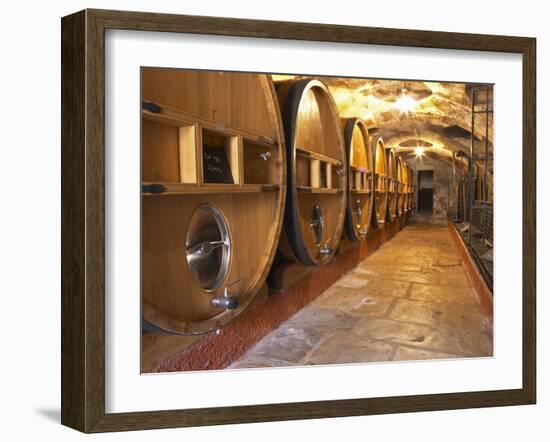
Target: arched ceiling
(441,122)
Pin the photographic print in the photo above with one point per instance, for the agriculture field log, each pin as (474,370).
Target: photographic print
(302,220)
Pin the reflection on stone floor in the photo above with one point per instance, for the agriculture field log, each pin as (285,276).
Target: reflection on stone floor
(410,300)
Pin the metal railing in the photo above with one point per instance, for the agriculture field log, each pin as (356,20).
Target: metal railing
(471,205)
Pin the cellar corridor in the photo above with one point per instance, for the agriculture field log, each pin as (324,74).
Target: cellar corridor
(409,300)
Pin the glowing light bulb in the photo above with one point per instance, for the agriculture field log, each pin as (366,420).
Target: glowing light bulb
(405,103)
(419,151)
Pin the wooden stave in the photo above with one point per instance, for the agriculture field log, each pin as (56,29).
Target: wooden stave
(251,288)
(291,244)
(351,230)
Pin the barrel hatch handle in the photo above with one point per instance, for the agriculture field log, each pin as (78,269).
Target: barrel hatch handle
(205,247)
(358,210)
(226,301)
(326,249)
(265,155)
(317,223)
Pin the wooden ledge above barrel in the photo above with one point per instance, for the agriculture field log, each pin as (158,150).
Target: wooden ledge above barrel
(213,192)
(316,172)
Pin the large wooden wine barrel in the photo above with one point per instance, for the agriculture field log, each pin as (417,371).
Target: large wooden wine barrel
(360,195)
(392,183)
(316,165)
(381,182)
(402,177)
(213,194)
(479,185)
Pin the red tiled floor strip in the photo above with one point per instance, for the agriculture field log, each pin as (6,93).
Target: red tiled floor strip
(476,280)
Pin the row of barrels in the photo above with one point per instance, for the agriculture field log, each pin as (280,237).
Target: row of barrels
(297,177)
(460,196)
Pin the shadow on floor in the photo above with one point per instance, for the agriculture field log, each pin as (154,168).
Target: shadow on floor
(51,414)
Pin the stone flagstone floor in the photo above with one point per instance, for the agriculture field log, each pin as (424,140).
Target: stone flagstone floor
(410,300)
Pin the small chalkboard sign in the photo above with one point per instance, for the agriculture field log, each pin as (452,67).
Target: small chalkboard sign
(151,107)
(215,166)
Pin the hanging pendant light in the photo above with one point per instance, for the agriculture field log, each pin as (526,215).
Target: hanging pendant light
(405,103)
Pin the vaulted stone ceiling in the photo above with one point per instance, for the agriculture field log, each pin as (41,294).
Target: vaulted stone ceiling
(441,122)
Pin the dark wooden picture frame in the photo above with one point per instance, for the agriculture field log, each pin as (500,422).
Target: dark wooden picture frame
(83,220)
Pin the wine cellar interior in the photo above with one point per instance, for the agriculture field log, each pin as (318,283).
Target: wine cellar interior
(305,220)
